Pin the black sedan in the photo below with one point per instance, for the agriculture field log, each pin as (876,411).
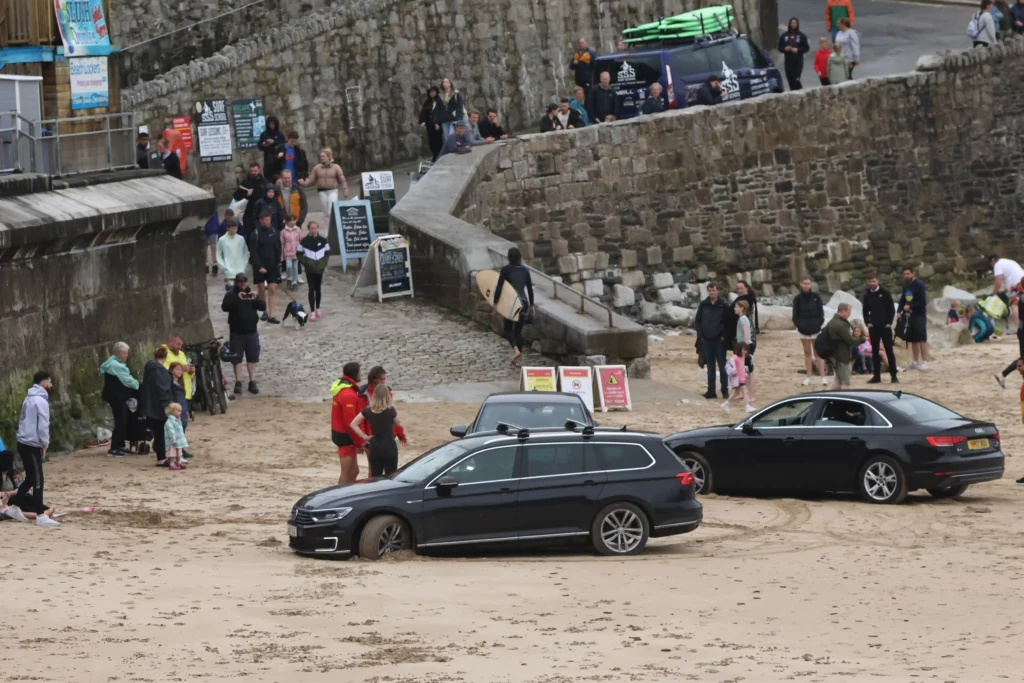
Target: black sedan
(880,444)
(616,489)
(530,409)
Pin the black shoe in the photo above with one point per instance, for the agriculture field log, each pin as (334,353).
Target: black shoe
(215,270)
(163,463)
(894,381)
(710,394)
(185,454)
(116,453)
(253,389)
(273,321)
(238,387)
(875,380)
(725,394)
(1021,480)
(264,317)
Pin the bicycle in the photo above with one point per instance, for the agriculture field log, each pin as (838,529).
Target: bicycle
(208,384)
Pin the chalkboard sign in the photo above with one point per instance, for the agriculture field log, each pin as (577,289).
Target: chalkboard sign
(394,271)
(352,230)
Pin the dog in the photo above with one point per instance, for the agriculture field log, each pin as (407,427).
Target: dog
(295,310)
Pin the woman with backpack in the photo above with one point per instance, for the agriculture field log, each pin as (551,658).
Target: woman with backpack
(982,29)
(518,276)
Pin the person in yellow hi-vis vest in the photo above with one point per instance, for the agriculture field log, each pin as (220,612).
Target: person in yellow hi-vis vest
(175,355)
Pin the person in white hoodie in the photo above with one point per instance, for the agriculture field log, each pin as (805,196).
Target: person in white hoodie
(33,440)
(232,254)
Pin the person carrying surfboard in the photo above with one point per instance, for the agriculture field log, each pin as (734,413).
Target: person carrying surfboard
(517,275)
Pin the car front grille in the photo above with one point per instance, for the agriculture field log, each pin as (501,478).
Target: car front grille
(300,516)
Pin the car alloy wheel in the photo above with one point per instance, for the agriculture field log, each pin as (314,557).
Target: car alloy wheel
(391,539)
(698,465)
(882,481)
(619,529)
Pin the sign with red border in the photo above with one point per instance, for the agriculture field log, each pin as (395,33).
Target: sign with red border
(613,387)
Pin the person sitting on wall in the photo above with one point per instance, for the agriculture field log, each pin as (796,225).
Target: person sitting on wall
(457,142)
(491,128)
(653,104)
(711,92)
(550,122)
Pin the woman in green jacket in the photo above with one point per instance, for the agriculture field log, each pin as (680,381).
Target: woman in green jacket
(314,253)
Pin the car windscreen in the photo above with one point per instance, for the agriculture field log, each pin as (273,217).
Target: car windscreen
(751,55)
(532,415)
(629,73)
(708,59)
(921,409)
(430,462)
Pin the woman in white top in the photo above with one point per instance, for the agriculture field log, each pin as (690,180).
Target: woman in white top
(986,25)
(848,41)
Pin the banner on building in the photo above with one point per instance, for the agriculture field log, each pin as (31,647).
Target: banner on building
(83,27)
(89,85)
(183,124)
(249,122)
(213,130)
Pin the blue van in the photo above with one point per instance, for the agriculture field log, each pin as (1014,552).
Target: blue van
(744,69)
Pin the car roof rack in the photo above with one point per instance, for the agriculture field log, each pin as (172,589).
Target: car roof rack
(688,28)
(506,427)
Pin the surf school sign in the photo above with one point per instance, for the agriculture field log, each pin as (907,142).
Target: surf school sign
(83,27)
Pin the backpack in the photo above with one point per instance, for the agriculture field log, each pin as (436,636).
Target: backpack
(824,345)
(974,26)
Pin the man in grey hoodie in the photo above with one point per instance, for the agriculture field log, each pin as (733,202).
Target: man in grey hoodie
(33,440)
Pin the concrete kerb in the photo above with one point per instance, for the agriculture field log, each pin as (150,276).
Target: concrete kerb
(425,215)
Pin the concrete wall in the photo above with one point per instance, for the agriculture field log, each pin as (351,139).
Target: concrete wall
(82,268)
(353,77)
(924,167)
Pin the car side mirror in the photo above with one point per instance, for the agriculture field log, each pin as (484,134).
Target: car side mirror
(748,428)
(458,431)
(445,485)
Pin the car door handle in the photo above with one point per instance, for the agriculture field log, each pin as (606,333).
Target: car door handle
(856,439)
(589,482)
(505,489)
(789,441)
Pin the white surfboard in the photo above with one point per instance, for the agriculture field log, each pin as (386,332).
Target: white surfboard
(509,305)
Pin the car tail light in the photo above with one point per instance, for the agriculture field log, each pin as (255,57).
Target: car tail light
(685,478)
(671,89)
(995,437)
(945,441)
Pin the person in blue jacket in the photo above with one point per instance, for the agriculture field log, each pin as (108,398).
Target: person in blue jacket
(912,308)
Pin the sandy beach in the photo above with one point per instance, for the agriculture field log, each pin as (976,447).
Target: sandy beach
(187,576)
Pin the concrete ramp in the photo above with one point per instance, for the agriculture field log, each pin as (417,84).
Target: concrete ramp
(447,252)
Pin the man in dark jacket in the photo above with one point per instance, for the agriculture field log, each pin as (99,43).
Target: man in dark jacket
(154,397)
(582,65)
(265,257)
(243,308)
(711,91)
(272,143)
(809,317)
(913,314)
(711,324)
(169,160)
(601,100)
(549,122)
(878,312)
(491,128)
(793,45)
(252,189)
(1017,21)
(142,150)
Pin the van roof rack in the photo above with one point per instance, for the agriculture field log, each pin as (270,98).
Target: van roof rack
(689,27)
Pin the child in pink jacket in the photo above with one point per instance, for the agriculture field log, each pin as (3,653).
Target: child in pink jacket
(290,237)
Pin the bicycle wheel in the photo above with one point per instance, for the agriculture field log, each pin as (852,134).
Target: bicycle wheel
(209,390)
(218,381)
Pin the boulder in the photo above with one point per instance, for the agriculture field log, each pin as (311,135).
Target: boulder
(662,280)
(648,311)
(942,336)
(669,295)
(775,317)
(593,288)
(622,296)
(841,297)
(957,294)
(675,315)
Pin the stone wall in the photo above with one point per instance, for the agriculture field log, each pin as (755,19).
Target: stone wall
(923,168)
(81,269)
(353,77)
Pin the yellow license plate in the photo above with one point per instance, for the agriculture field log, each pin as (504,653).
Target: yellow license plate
(977,444)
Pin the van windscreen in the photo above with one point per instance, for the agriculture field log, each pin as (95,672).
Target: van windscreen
(708,59)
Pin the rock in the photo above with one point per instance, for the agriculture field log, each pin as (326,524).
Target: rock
(593,361)
(841,297)
(634,279)
(957,294)
(648,311)
(594,288)
(675,315)
(623,296)
(948,336)
(775,317)
(669,295)
(638,368)
(662,280)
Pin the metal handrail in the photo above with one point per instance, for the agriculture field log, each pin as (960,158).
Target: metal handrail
(554,290)
(45,141)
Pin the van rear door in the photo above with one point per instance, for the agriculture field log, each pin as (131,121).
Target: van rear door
(632,77)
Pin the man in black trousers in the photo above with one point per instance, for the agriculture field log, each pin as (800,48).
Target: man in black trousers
(879,310)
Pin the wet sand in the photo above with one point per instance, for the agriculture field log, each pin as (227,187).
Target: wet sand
(186,576)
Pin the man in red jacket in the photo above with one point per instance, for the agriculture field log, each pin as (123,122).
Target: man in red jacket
(378,375)
(345,405)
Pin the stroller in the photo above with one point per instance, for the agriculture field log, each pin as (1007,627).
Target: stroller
(138,434)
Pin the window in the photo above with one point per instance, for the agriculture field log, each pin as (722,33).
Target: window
(494,464)
(723,53)
(618,456)
(690,63)
(844,414)
(751,55)
(789,414)
(921,410)
(554,459)
(531,414)
(427,464)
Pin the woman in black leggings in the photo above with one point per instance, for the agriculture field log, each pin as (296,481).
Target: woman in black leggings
(314,253)
(382,451)
(518,276)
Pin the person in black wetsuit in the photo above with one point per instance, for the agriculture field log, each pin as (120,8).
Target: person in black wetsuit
(382,451)
(518,276)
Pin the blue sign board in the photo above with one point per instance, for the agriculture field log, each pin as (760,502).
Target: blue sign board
(352,227)
(89,86)
(83,28)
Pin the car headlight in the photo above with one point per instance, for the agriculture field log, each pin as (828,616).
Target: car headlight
(330,515)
